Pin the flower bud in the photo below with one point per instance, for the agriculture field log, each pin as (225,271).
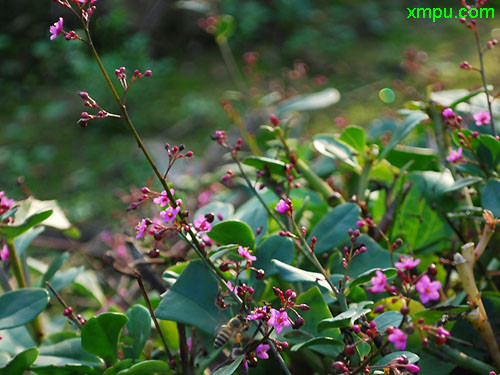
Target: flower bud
(260,274)
(299,322)
(154,253)
(274,120)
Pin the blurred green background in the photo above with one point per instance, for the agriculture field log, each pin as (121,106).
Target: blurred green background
(359,46)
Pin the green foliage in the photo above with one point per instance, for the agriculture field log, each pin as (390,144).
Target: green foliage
(100,335)
(21,306)
(233,232)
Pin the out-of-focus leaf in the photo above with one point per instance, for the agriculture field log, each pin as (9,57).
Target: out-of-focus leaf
(266,164)
(229,369)
(412,357)
(463,182)
(87,283)
(317,341)
(12,231)
(355,137)
(490,197)
(196,6)
(255,215)
(23,241)
(53,268)
(31,206)
(21,306)
(423,159)
(223,209)
(308,102)
(224,28)
(63,278)
(330,147)
(147,368)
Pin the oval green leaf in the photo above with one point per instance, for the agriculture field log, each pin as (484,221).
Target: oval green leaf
(233,232)
(21,306)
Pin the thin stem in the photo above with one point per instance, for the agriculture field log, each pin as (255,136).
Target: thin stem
(153,316)
(64,304)
(17,268)
(231,65)
(483,78)
(181,328)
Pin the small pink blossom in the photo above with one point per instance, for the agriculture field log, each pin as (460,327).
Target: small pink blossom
(202,225)
(412,367)
(163,200)
(278,320)
(429,290)
(482,118)
(448,113)
(121,251)
(5,203)
(281,207)
(261,351)
(141,228)
(232,288)
(258,313)
(442,331)
(56,29)
(378,282)
(245,252)
(4,253)
(455,156)
(398,338)
(406,263)
(169,214)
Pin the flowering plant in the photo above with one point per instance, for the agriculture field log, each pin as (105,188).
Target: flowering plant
(349,253)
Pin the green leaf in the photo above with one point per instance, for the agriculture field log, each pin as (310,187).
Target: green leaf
(266,164)
(32,206)
(118,366)
(367,275)
(100,335)
(347,318)
(12,231)
(24,240)
(53,268)
(274,247)
(255,215)
(308,102)
(63,278)
(355,137)
(404,129)
(20,363)
(147,368)
(318,312)
(68,352)
(229,369)
(388,319)
(233,232)
(421,158)
(87,283)
(293,274)
(490,197)
(317,341)
(21,306)
(332,229)
(139,327)
(463,182)
(331,148)
(412,357)
(15,340)
(191,300)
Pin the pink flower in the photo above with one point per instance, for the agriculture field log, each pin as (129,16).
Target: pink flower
(281,207)
(202,225)
(56,29)
(5,203)
(412,368)
(279,320)
(258,313)
(141,228)
(169,214)
(163,200)
(442,331)
(398,338)
(455,155)
(379,282)
(448,113)
(4,253)
(482,118)
(406,263)
(245,252)
(121,251)
(429,290)
(261,351)
(232,288)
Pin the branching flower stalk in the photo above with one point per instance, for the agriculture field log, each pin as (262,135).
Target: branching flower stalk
(465,266)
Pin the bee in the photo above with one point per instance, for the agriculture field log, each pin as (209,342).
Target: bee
(234,328)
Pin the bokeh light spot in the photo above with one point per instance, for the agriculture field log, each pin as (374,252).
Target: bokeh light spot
(386,95)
